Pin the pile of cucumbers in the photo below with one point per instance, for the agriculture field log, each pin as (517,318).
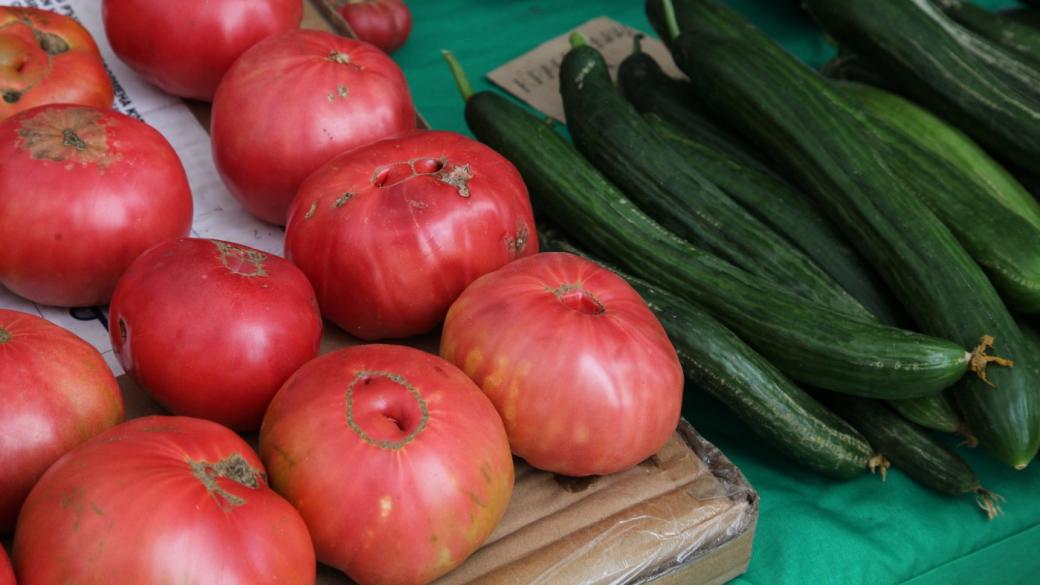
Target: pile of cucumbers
(847,269)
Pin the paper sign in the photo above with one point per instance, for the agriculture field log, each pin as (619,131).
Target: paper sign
(217,214)
(533,77)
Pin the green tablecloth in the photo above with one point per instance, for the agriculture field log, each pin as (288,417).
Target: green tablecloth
(811,530)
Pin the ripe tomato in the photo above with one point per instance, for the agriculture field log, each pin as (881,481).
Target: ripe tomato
(6,573)
(398,464)
(212,329)
(83,192)
(56,391)
(293,102)
(47,58)
(161,500)
(391,233)
(185,46)
(581,371)
(384,23)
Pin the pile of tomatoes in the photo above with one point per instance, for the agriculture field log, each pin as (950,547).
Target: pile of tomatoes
(386,462)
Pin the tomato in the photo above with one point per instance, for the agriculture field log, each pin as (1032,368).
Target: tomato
(56,391)
(293,102)
(160,500)
(398,464)
(212,329)
(6,573)
(83,192)
(384,23)
(578,366)
(47,58)
(185,46)
(392,232)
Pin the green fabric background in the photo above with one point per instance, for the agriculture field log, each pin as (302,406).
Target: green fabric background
(811,530)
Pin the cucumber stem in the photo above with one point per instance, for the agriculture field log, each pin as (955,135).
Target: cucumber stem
(637,44)
(989,501)
(979,359)
(670,20)
(577,40)
(465,89)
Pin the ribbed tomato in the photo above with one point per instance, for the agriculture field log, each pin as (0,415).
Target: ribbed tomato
(83,192)
(6,573)
(397,462)
(293,102)
(212,329)
(392,232)
(161,500)
(55,392)
(186,46)
(384,23)
(579,368)
(47,58)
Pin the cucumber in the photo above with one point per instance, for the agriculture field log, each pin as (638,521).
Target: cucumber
(985,219)
(650,90)
(988,92)
(715,359)
(670,189)
(834,149)
(918,125)
(935,413)
(1017,37)
(1026,16)
(851,67)
(911,449)
(810,343)
(790,213)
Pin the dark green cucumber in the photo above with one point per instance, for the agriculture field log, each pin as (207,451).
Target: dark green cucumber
(918,125)
(911,449)
(810,343)
(987,91)
(790,213)
(794,216)
(718,361)
(833,148)
(651,90)
(1017,37)
(670,189)
(936,413)
(986,220)
(851,67)
(1026,16)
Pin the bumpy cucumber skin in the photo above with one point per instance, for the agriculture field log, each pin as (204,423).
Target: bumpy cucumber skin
(650,90)
(987,91)
(670,188)
(830,144)
(810,343)
(907,446)
(1018,37)
(989,219)
(792,214)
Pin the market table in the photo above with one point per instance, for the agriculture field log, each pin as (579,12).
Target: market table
(811,530)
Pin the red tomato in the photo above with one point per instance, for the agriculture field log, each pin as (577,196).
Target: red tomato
(6,573)
(185,46)
(47,58)
(161,500)
(56,391)
(398,464)
(384,23)
(392,232)
(581,371)
(293,102)
(83,192)
(212,329)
